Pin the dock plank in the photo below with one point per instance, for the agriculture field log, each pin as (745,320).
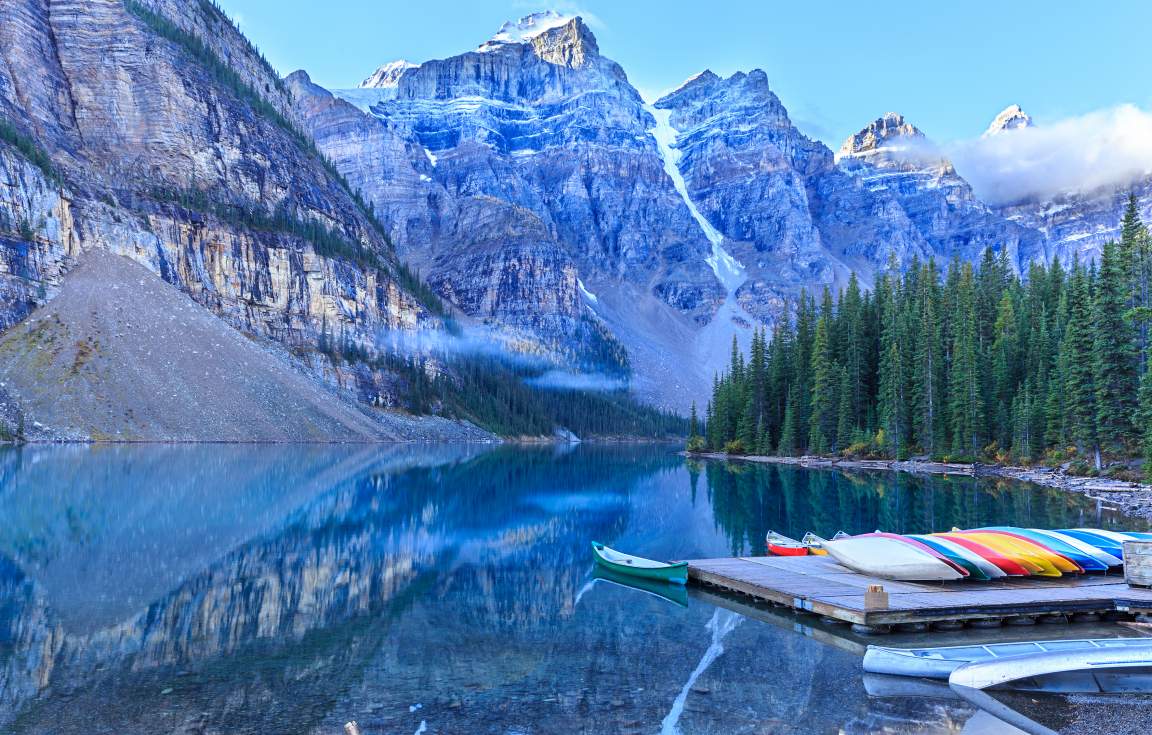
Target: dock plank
(820,585)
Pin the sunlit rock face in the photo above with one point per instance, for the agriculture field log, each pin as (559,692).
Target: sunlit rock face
(135,127)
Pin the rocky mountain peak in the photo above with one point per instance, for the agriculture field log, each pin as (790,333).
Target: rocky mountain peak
(388,75)
(1010,118)
(557,38)
(878,133)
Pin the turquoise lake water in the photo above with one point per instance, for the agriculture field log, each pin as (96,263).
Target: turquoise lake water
(437,589)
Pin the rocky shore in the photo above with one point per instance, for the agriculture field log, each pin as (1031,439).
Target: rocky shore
(1132,498)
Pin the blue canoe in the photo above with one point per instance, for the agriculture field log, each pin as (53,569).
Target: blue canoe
(1089,563)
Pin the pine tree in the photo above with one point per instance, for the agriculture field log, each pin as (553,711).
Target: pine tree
(822,430)
(928,366)
(1144,423)
(845,421)
(1079,390)
(967,405)
(787,445)
(1113,352)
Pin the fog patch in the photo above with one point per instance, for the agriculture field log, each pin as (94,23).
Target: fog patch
(1106,148)
(556,379)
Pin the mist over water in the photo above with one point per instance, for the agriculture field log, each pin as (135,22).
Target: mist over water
(257,589)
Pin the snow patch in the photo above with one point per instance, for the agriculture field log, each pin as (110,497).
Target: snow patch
(389,74)
(431,156)
(726,268)
(586,293)
(525,29)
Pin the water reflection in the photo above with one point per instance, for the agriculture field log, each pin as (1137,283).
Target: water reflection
(748,500)
(290,589)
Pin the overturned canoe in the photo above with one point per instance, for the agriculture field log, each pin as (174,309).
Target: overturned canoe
(889,558)
(938,662)
(637,566)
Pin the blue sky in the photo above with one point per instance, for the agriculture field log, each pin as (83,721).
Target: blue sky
(836,65)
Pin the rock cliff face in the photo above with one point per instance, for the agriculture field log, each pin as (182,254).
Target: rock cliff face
(526,180)
(152,129)
(535,196)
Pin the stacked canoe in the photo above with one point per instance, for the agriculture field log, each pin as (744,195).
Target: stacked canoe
(976,554)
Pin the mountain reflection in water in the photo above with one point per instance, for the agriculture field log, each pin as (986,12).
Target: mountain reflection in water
(288,589)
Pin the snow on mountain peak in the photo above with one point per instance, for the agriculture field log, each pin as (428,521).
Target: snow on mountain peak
(1010,118)
(389,74)
(526,28)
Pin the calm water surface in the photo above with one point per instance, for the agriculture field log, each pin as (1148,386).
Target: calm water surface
(447,589)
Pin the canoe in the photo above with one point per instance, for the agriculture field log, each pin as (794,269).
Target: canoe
(781,545)
(1111,670)
(1064,562)
(636,566)
(960,569)
(1009,566)
(1116,536)
(1087,560)
(938,662)
(814,544)
(1086,548)
(888,558)
(1103,543)
(973,564)
(1024,553)
(986,565)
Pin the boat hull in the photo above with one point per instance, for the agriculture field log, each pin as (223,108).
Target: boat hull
(674,573)
(890,559)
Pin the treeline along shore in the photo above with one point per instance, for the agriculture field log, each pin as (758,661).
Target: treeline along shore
(972,363)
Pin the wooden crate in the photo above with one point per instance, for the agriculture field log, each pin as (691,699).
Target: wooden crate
(1138,563)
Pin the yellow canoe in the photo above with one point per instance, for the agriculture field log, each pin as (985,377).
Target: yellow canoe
(1026,554)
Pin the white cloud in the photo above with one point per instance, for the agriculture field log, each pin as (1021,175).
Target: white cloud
(1110,147)
(563,7)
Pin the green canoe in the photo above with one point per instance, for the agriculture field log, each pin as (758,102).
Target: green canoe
(635,566)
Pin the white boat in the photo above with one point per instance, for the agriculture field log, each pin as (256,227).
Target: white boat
(1114,670)
(939,662)
(888,558)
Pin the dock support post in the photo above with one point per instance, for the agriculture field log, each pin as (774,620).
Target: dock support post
(987,623)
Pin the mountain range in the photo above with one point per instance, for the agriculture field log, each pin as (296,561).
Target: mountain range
(522,195)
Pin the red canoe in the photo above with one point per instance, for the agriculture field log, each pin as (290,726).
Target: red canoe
(1011,567)
(781,545)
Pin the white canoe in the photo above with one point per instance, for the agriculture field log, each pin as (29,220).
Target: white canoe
(1099,670)
(938,662)
(888,558)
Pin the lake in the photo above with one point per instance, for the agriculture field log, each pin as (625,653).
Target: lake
(436,589)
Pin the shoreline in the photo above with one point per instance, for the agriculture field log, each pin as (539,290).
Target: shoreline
(1131,498)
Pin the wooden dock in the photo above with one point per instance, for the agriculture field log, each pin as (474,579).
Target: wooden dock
(818,585)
